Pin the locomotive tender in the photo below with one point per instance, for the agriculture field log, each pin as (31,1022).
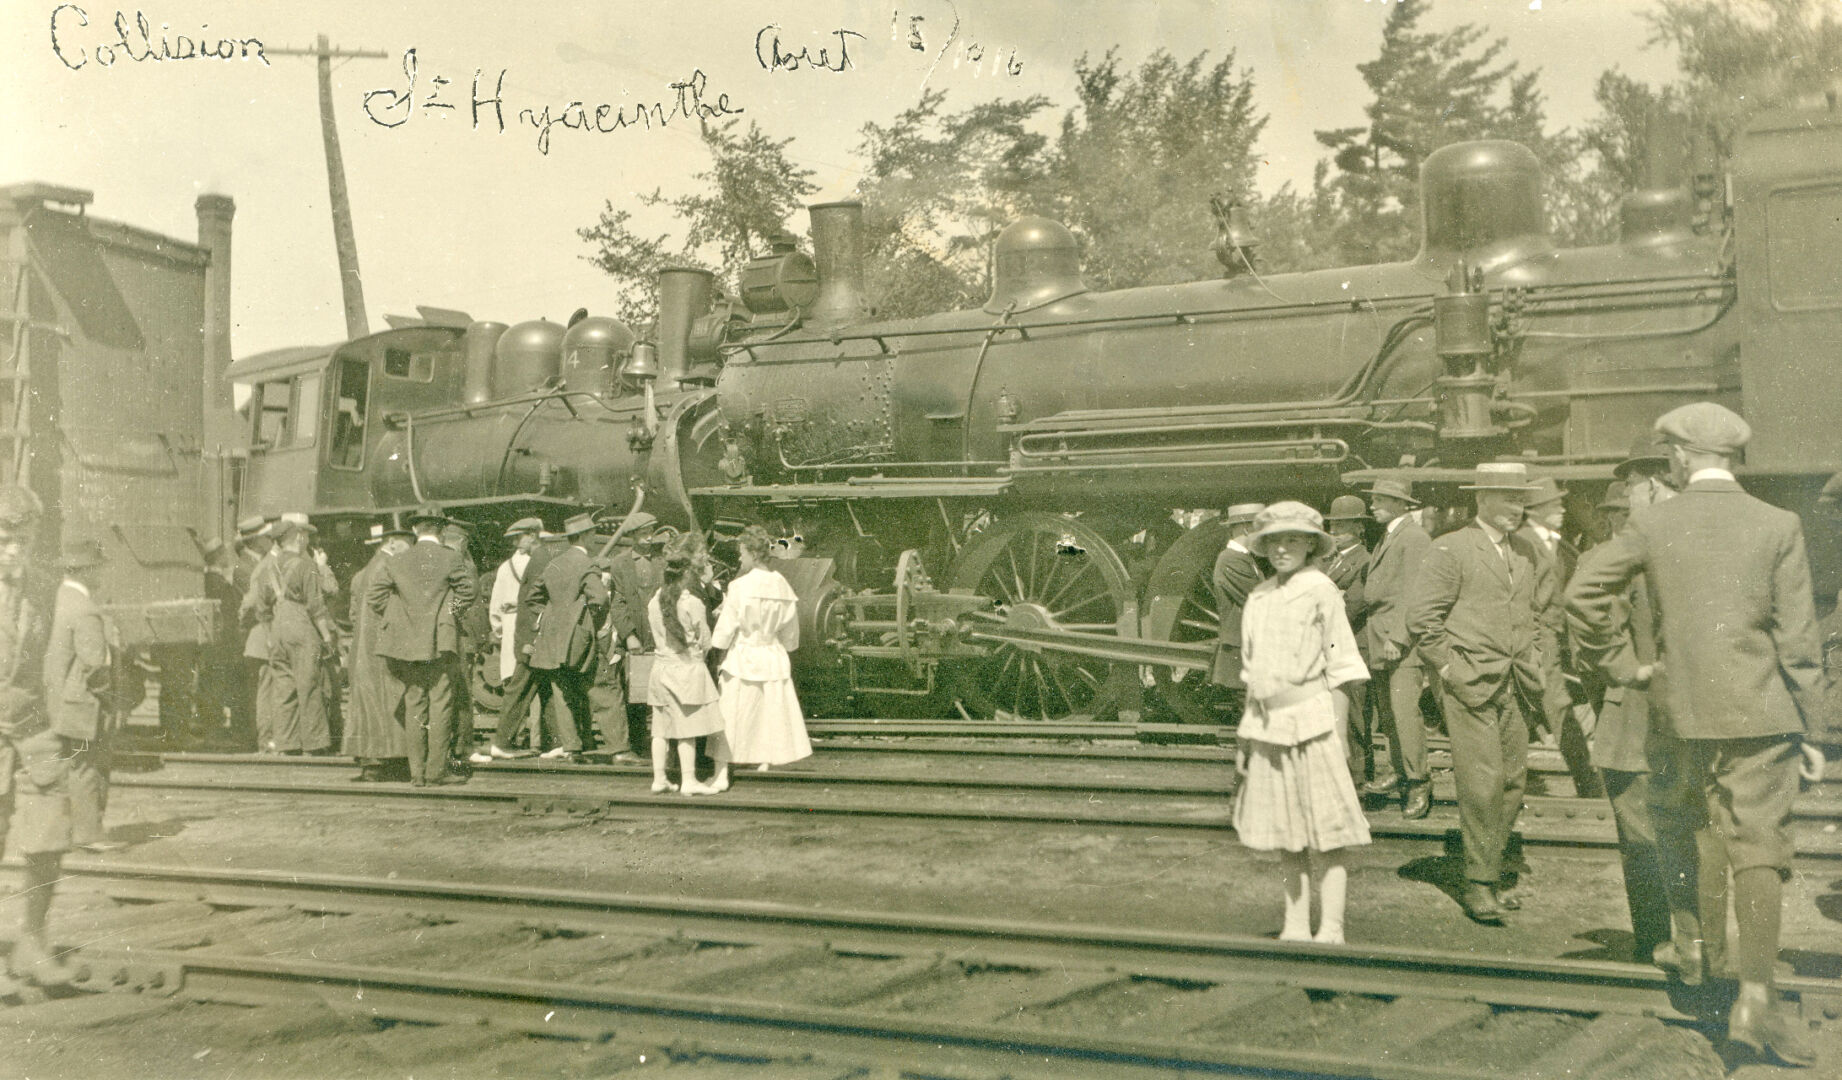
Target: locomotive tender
(985,499)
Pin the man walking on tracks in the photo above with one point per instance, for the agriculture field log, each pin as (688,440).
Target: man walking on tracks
(574,600)
(1471,610)
(34,757)
(78,692)
(1398,677)
(416,594)
(1739,647)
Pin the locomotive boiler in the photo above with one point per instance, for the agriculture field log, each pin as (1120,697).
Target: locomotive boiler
(997,509)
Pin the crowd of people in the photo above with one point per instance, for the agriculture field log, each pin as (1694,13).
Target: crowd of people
(1676,665)
(598,651)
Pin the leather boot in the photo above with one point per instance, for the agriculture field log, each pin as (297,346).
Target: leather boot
(1681,960)
(1480,903)
(1418,801)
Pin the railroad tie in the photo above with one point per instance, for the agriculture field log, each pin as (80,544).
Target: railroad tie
(1607,1038)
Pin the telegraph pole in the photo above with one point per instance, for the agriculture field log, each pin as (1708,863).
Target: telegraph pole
(356,324)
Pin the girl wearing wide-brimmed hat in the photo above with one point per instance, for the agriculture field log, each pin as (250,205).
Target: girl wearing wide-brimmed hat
(1296,794)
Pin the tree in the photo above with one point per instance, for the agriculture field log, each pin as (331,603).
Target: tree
(937,187)
(747,196)
(1739,57)
(1431,89)
(1140,156)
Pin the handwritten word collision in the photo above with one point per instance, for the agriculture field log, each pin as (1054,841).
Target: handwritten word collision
(138,44)
(393,107)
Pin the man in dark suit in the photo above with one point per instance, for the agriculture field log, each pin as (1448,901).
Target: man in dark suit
(1236,573)
(635,572)
(78,692)
(1731,583)
(1471,610)
(470,618)
(1563,713)
(1347,524)
(1398,675)
(574,600)
(416,595)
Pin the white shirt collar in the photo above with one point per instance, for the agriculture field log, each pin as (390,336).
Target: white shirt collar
(1490,531)
(1548,536)
(1710,474)
(73,583)
(1397,522)
(1238,546)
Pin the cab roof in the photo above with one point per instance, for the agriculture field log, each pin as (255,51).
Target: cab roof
(252,368)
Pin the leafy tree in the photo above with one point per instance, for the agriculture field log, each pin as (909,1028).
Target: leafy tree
(746,196)
(1140,156)
(1431,89)
(937,187)
(1739,57)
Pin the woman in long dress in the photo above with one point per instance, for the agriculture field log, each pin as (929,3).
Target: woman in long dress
(759,626)
(682,694)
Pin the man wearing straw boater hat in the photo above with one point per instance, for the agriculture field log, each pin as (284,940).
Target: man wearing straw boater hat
(1399,677)
(567,643)
(1472,611)
(1739,644)
(416,594)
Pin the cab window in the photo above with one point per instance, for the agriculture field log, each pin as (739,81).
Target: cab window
(348,446)
(286,412)
(406,364)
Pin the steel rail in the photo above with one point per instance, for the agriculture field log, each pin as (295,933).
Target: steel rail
(1585,986)
(1541,806)
(1582,830)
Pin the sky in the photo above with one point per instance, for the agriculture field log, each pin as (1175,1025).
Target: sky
(452,210)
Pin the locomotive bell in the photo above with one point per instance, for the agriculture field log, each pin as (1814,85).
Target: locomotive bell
(1036,262)
(645,362)
(528,355)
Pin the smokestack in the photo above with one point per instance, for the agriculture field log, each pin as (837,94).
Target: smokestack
(482,343)
(214,215)
(684,294)
(837,249)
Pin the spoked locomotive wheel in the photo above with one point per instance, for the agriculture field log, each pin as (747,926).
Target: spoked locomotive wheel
(1045,572)
(1180,606)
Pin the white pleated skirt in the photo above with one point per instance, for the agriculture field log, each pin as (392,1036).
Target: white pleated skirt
(1299,798)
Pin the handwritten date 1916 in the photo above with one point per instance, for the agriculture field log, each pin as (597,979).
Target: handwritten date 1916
(771,57)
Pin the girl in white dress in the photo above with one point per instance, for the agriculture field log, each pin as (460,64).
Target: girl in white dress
(1296,794)
(683,696)
(759,625)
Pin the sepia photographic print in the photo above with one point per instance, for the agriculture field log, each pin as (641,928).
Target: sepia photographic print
(925,539)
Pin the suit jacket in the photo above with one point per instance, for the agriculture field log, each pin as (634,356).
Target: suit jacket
(1626,719)
(76,666)
(1472,614)
(1234,577)
(1392,566)
(416,593)
(258,606)
(1551,622)
(1731,584)
(634,580)
(530,598)
(1346,569)
(574,600)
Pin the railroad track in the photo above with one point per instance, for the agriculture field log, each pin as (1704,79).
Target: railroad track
(1164,805)
(860,993)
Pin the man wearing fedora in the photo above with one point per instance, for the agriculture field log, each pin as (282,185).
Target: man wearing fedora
(374,732)
(1472,610)
(416,594)
(574,601)
(1399,677)
(78,691)
(1236,573)
(1568,723)
(1731,584)
(1347,566)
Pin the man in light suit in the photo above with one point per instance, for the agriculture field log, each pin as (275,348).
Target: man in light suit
(1471,610)
(77,692)
(1398,675)
(416,595)
(574,601)
(1731,584)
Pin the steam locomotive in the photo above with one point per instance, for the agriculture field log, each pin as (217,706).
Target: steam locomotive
(986,509)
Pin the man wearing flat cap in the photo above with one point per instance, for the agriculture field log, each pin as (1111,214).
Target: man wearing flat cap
(416,595)
(1472,611)
(1389,650)
(1731,584)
